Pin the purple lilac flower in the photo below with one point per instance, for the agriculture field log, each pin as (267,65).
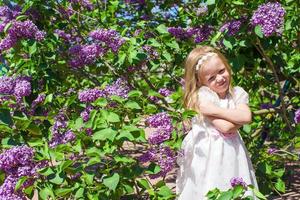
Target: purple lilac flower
(165,92)
(297,116)
(85,114)
(148,156)
(180,33)
(7,189)
(232,27)
(163,124)
(202,33)
(7,85)
(89,131)
(159,120)
(266,106)
(119,88)
(238,181)
(68,137)
(154,99)
(90,95)
(8,14)
(15,157)
(84,55)
(270,17)
(62,34)
(152,53)
(40,98)
(22,88)
(108,38)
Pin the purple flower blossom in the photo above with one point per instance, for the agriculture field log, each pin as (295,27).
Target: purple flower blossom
(22,88)
(152,53)
(297,116)
(68,137)
(202,9)
(107,38)
(40,98)
(203,33)
(232,27)
(119,88)
(62,34)
(270,17)
(163,124)
(238,181)
(84,3)
(148,156)
(85,114)
(180,33)
(90,95)
(165,92)
(84,55)
(7,85)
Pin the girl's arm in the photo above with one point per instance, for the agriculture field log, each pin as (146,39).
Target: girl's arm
(240,115)
(223,125)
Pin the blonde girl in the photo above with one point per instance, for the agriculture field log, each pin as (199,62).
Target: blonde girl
(214,154)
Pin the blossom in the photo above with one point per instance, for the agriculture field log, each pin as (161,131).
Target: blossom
(232,27)
(90,95)
(119,88)
(271,150)
(202,9)
(165,92)
(40,98)
(270,17)
(107,38)
(237,181)
(7,85)
(22,88)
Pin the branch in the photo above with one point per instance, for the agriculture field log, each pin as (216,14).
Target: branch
(271,65)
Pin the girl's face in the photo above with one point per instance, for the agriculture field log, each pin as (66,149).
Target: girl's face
(214,74)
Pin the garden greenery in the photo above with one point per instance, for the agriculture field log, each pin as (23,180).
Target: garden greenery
(82,79)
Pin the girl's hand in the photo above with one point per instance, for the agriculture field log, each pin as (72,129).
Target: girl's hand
(208,108)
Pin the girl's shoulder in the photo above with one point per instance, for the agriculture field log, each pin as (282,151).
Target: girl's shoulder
(206,94)
(240,95)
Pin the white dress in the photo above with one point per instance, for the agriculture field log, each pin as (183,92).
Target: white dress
(210,159)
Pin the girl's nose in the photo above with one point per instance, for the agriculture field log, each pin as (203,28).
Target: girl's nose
(219,78)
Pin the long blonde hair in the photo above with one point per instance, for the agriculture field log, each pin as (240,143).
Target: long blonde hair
(192,78)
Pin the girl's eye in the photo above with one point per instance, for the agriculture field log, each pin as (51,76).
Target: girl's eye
(221,71)
(211,78)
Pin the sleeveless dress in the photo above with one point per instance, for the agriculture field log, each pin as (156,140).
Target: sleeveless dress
(210,158)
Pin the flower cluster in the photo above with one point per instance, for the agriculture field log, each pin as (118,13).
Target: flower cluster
(19,87)
(21,30)
(202,9)
(270,17)
(90,95)
(163,91)
(297,116)
(232,27)
(107,38)
(60,134)
(85,114)
(238,181)
(199,34)
(163,156)
(84,55)
(163,124)
(151,52)
(40,99)
(84,3)
(119,88)
(8,14)
(16,163)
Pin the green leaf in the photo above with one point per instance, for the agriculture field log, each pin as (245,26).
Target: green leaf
(154,43)
(5,116)
(113,117)
(134,93)
(124,159)
(258,31)
(162,29)
(210,2)
(48,98)
(112,182)
(20,182)
(121,58)
(257,193)
(105,134)
(125,134)
(237,191)
(153,169)
(238,3)
(247,128)
(132,105)
(165,191)
(173,45)
(280,185)
(226,195)
(227,43)
(102,102)
(63,191)
(143,183)
(46,192)
(32,49)
(57,178)
(167,56)
(79,193)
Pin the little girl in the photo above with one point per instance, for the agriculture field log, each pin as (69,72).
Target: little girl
(213,151)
